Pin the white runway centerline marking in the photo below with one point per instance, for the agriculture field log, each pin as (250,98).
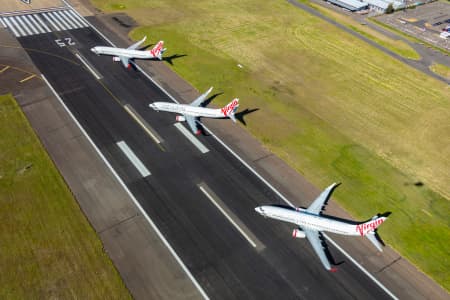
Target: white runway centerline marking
(133,158)
(227,216)
(191,137)
(87,65)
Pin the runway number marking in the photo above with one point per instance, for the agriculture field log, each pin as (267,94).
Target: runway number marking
(65,42)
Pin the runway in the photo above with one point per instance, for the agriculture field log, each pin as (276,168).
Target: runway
(184,186)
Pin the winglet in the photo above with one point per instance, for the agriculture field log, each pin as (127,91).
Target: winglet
(333,270)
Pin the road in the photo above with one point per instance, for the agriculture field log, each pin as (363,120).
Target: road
(215,251)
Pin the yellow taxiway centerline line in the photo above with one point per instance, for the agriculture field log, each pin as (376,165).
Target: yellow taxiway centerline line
(27,78)
(4,69)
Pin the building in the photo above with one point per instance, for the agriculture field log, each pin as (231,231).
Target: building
(382,5)
(351,5)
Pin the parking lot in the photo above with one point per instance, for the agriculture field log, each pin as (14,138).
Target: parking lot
(424,22)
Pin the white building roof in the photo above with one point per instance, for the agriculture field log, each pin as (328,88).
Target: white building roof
(349,4)
(384,4)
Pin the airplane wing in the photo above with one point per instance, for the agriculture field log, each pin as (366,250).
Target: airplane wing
(192,122)
(137,44)
(202,98)
(314,238)
(319,204)
(125,61)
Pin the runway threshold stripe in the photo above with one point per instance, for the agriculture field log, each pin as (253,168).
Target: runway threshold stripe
(51,22)
(79,18)
(33,27)
(191,138)
(86,64)
(19,20)
(17,34)
(56,21)
(133,159)
(56,14)
(67,20)
(71,18)
(227,216)
(3,23)
(22,33)
(36,25)
(124,186)
(41,22)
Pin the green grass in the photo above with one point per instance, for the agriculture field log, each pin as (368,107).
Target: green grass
(330,105)
(48,248)
(441,70)
(397,46)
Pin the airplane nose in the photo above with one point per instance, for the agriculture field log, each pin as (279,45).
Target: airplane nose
(94,50)
(259,210)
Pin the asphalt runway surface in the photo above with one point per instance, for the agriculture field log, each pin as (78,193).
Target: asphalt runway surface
(220,258)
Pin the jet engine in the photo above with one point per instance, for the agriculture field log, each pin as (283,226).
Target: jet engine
(180,118)
(297,233)
(115,58)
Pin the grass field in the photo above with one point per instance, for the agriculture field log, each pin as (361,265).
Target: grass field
(397,46)
(332,107)
(48,248)
(442,70)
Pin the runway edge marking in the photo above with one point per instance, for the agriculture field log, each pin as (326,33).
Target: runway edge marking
(244,163)
(149,220)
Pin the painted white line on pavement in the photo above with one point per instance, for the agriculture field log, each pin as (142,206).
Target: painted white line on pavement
(141,122)
(36,25)
(41,22)
(360,267)
(3,23)
(124,186)
(17,26)
(235,155)
(51,22)
(133,159)
(228,217)
(86,64)
(191,138)
(16,33)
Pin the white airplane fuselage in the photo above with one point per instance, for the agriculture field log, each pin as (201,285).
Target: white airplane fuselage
(307,220)
(186,109)
(139,54)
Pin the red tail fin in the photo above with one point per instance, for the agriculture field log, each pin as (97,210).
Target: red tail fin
(370,226)
(157,50)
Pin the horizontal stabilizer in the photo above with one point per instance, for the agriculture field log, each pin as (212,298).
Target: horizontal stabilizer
(373,239)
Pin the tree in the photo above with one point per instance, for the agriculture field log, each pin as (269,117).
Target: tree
(390,9)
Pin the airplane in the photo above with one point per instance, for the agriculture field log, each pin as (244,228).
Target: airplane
(193,111)
(311,223)
(130,53)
